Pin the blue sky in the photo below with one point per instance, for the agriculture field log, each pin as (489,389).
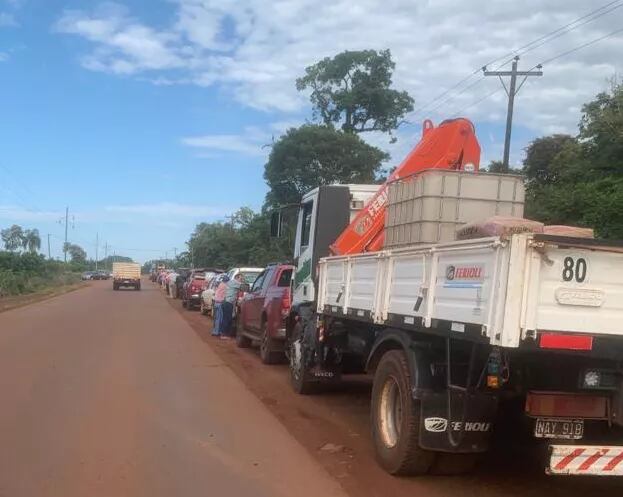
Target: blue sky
(148,117)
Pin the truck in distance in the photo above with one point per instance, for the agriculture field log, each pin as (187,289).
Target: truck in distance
(126,274)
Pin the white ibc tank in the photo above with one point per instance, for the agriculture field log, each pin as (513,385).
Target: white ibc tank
(429,206)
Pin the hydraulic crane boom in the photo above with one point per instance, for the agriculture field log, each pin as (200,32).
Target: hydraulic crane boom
(452,145)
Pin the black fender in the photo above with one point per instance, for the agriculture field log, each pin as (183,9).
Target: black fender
(300,310)
(417,352)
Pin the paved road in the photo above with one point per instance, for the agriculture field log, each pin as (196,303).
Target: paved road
(112,394)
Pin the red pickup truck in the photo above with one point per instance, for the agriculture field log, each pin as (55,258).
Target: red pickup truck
(262,313)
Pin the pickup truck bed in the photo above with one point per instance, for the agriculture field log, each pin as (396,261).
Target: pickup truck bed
(505,291)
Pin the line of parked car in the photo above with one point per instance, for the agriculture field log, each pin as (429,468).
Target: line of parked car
(260,311)
(96,275)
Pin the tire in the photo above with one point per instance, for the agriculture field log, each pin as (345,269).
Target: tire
(299,370)
(242,341)
(395,419)
(202,309)
(267,345)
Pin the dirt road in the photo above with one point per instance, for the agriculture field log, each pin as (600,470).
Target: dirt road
(334,427)
(108,393)
(120,394)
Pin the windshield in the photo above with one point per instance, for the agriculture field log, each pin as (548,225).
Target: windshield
(250,276)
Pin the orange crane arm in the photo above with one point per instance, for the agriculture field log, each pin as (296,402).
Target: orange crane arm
(451,145)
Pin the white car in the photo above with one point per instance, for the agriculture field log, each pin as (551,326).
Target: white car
(207,296)
(249,274)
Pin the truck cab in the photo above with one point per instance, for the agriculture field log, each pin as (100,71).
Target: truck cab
(324,213)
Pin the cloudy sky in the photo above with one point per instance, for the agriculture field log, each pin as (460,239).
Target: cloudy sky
(146,117)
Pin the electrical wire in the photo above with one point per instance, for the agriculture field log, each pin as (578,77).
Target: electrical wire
(532,45)
(562,31)
(579,47)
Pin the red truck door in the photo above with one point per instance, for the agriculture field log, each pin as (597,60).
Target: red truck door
(255,300)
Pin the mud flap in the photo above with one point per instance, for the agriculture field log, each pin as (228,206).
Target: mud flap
(471,436)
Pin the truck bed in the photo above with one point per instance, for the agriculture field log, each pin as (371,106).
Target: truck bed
(501,290)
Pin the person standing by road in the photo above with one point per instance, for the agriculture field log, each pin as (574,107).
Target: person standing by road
(227,308)
(172,287)
(219,297)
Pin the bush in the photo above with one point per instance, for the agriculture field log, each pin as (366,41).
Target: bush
(27,273)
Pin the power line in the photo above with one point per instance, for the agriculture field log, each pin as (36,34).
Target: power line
(563,31)
(540,41)
(580,47)
(476,102)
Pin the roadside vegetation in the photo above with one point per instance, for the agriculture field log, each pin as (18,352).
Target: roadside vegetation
(23,270)
(574,180)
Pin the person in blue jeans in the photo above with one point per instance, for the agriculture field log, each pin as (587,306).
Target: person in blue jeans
(227,307)
(219,297)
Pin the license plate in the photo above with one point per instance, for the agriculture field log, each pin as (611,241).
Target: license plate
(566,429)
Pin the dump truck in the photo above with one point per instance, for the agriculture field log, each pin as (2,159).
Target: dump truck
(457,332)
(126,274)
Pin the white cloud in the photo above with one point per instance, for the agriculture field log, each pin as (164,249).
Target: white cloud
(253,142)
(7,20)
(170,209)
(255,50)
(16,213)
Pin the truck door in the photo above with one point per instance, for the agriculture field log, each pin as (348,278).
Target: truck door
(253,302)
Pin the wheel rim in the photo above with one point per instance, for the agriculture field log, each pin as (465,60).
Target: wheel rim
(390,412)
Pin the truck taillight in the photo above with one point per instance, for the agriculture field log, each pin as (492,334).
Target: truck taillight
(285,303)
(550,340)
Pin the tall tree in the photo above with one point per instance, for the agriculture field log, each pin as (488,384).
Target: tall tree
(314,155)
(76,253)
(580,181)
(31,241)
(540,155)
(13,238)
(354,89)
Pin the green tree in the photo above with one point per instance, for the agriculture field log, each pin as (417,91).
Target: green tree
(497,166)
(580,181)
(314,155)
(31,240)
(540,155)
(13,237)
(76,253)
(354,89)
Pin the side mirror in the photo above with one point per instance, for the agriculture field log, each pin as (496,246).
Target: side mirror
(275,224)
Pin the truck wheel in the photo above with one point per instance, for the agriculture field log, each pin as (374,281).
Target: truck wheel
(242,341)
(299,370)
(396,418)
(267,346)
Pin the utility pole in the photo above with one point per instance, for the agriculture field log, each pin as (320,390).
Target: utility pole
(66,222)
(49,256)
(511,91)
(97,246)
(175,252)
